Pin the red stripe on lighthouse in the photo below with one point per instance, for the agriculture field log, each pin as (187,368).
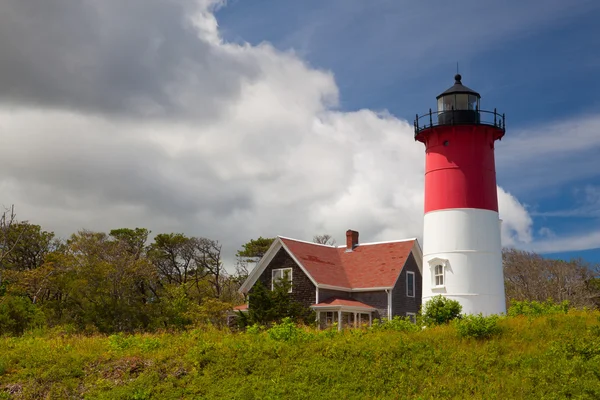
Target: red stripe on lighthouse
(460,168)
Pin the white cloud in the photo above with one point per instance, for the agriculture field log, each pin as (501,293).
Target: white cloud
(266,153)
(516,221)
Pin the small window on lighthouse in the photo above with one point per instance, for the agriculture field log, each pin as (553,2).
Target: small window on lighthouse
(438,275)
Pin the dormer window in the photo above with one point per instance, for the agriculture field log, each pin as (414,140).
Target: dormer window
(438,268)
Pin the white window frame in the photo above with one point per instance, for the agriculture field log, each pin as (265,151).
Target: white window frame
(412,317)
(283,270)
(433,263)
(414,286)
(440,275)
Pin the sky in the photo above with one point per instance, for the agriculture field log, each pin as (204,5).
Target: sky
(237,119)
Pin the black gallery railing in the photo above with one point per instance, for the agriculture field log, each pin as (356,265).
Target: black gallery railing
(459,117)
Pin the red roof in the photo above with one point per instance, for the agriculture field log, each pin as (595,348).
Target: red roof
(366,266)
(339,301)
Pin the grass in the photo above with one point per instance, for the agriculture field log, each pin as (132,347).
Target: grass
(549,357)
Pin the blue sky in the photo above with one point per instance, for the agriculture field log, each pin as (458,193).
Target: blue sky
(537,62)
(233,119)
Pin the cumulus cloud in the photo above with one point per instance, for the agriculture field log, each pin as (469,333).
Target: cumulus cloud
(138,114)
(516,221)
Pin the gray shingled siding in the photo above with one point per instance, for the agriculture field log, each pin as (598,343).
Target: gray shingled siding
(377,299)
(303,289)
(401,304)
(324,294)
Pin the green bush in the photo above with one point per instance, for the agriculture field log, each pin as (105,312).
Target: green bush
(397,323)
(18,314)
(286,331)
(440,310)
(477,326)
(254,329)
(536,308)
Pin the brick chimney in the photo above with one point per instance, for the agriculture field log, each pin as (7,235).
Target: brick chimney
(351,239)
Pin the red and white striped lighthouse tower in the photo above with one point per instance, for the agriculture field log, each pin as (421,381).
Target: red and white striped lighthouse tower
(462,253)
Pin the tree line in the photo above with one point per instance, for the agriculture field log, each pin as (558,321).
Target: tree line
(122,281)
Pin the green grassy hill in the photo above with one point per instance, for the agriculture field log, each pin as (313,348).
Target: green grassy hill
(548,357)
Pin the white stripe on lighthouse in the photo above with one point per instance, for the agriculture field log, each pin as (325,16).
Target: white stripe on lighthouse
(466,241)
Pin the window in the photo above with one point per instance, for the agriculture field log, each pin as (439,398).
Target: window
(281,274)
(438,275)
(437,269)
(410,284)
(412,317)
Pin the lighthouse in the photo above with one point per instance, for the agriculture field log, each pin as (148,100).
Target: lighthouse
(462,253)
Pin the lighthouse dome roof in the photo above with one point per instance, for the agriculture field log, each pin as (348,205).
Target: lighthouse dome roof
(458,87)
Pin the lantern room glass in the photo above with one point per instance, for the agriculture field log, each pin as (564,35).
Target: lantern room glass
(458,101)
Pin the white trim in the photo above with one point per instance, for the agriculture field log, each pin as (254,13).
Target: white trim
(291,278)
(384,242)
(260,266)
(317,295)
(298,263)
(418,256)
(343,308)
(414,284)
(373,289)
(266,260)
(412,314)
(348,290)
(278,244)
(304,241)
(432,264)
(389,292)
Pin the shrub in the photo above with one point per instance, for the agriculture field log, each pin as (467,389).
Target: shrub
(536,308)
(397,323)
(286,331)
(18,314)
(477,326)
(254,329)
(439,310)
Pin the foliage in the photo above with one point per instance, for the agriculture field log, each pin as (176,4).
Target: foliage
(18,314)
(325,239)
(531,277)
(286,331)
(269,306)
(397,323)
(477,326)
(536,308)
(440,310)
(255,248)
(552,356)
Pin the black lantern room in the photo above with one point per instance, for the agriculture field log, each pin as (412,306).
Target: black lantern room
(458,105)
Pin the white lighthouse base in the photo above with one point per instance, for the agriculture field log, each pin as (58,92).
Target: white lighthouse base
(466,244)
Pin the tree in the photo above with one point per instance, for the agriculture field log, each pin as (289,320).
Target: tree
(251,253)
(207,258)
(529,276)
(268,306)
(29,245)
(324,239)
(173,256)
(94,282)
(134,239)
